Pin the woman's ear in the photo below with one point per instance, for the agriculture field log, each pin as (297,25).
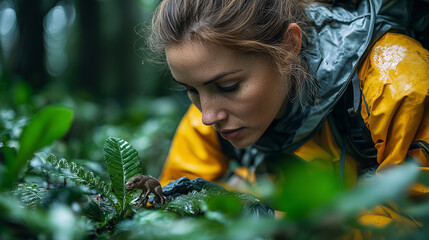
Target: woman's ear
(292,38)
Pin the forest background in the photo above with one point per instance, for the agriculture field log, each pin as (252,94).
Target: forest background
(82,110)
(88,55)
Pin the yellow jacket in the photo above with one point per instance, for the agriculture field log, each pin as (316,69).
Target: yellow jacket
(395,84)
(394,80)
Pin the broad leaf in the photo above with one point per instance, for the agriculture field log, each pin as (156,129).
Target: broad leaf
(122,164)
(391,185)
(50,124)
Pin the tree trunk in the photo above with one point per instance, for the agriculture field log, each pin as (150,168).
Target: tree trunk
(90,50)
(29,60)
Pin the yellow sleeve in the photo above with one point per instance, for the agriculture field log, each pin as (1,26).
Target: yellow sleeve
(395,86)
(195,151)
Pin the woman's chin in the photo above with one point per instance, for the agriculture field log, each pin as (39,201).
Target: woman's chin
(240,144)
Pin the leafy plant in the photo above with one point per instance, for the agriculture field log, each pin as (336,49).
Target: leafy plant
(92,204)
(76,174)
(152,224)
(19,140)
(17,222)
(208,200)
(50,124)
(122,164)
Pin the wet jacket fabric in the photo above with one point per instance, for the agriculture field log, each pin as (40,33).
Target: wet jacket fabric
(397,114)
(340,41)
(393,78)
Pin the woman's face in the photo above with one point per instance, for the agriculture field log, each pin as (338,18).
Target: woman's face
(238,94)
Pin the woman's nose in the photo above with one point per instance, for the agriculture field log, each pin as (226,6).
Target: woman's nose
(212,112)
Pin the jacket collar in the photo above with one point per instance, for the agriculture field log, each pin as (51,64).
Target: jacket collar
(339,38)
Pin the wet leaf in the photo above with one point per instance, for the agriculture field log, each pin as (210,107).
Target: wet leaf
(123,163)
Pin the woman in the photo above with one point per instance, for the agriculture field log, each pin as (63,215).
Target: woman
(274,78)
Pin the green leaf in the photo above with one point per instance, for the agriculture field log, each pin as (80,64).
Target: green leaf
(76,174)
(93,211)
(30,194)
(122,164)
(208,200)
(153,224)
(12,211)
(58,222)
(391,185)
(303,189)
(227,205)
(50,124)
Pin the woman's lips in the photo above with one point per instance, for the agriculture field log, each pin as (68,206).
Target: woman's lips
(231,134)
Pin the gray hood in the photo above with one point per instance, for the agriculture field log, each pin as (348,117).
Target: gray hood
(339,39)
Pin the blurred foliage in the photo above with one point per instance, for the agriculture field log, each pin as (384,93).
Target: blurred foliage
(45,127)
(89,58)
(74,73)
(65,198)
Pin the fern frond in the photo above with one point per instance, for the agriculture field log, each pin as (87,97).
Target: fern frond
(123,163)
(77,174)
(29,194)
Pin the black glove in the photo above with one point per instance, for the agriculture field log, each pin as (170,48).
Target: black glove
(183,186)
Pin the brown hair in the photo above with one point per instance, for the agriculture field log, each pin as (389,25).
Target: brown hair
(248,26)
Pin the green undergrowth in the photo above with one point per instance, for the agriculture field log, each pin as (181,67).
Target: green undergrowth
(46,196)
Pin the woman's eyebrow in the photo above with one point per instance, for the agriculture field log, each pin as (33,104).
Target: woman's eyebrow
(214,79)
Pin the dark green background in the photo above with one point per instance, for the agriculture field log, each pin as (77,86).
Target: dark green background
(91,56)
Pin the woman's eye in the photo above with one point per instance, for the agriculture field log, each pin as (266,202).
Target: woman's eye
(231,88)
